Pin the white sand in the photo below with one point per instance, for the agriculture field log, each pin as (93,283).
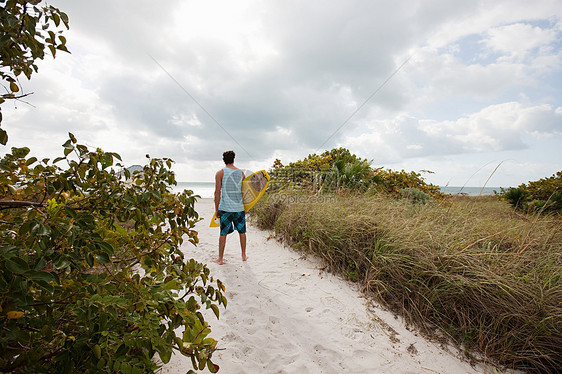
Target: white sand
(285,315)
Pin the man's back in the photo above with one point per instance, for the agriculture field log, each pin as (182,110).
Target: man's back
(231,190)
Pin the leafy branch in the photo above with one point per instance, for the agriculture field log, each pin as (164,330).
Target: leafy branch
(17,204)
(27,30)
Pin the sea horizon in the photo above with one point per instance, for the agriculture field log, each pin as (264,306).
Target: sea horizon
(207,189)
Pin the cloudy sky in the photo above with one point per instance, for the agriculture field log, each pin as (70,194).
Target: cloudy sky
(455,87)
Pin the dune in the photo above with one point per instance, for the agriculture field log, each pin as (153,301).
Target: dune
(286,315)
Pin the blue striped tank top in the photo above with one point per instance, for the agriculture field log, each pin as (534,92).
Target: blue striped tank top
(231,191)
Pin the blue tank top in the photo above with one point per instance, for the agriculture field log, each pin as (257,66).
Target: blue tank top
(231,191)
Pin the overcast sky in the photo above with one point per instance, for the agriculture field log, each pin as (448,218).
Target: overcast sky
(455,87)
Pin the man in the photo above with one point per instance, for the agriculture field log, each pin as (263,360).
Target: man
(229,206)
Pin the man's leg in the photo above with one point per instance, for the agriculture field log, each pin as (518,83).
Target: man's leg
(240,224)
(226,228)
(243,246)
(222,244)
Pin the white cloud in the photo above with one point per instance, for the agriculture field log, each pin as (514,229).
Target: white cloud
(519,40)
(469,18)
(497,128)
(541,120)
(281,77)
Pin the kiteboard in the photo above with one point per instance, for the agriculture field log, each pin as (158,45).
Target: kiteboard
(253,188)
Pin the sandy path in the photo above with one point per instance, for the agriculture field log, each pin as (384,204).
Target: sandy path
(287,316)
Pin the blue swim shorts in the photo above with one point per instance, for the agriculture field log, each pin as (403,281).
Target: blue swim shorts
(231,221)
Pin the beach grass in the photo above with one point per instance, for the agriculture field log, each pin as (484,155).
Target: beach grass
(469,270)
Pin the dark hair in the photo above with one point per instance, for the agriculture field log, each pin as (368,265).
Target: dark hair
(228,157)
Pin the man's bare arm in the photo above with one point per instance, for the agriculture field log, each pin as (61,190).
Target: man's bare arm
(218,185)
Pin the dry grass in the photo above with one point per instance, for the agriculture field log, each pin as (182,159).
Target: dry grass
(470,268)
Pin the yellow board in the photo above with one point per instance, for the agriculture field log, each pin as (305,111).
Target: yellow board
(253,188)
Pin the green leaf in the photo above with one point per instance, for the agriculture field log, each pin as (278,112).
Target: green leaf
(128,199)
(122,350)
(107,247)
(125,368)
(97,351)
(171,285)
(3,137)
(64,18)
(90,259)
(31,160)
(101,364)
(61,264)
(40,264)
(106,161)
(103,258)
(165,355)
(40,229)
(24,228)
(17,265)
(8,251)
(202,362)
(46,286)
(41,276)
(213,368)
(20,152)
(56,19)
(70,212)
(215,309)
(116,366)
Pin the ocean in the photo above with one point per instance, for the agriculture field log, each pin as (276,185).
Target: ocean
(207,189)
(471,191)
(204,189)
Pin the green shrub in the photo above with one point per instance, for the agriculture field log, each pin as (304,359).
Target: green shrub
(543,189)
(515,197)
(338,170)
(92,278)
(543,195)
(414,195)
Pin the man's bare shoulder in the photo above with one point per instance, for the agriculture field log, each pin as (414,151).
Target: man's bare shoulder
(218,179)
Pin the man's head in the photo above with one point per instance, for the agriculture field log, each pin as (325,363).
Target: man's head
(228,157)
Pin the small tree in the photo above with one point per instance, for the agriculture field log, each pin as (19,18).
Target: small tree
(92,278)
